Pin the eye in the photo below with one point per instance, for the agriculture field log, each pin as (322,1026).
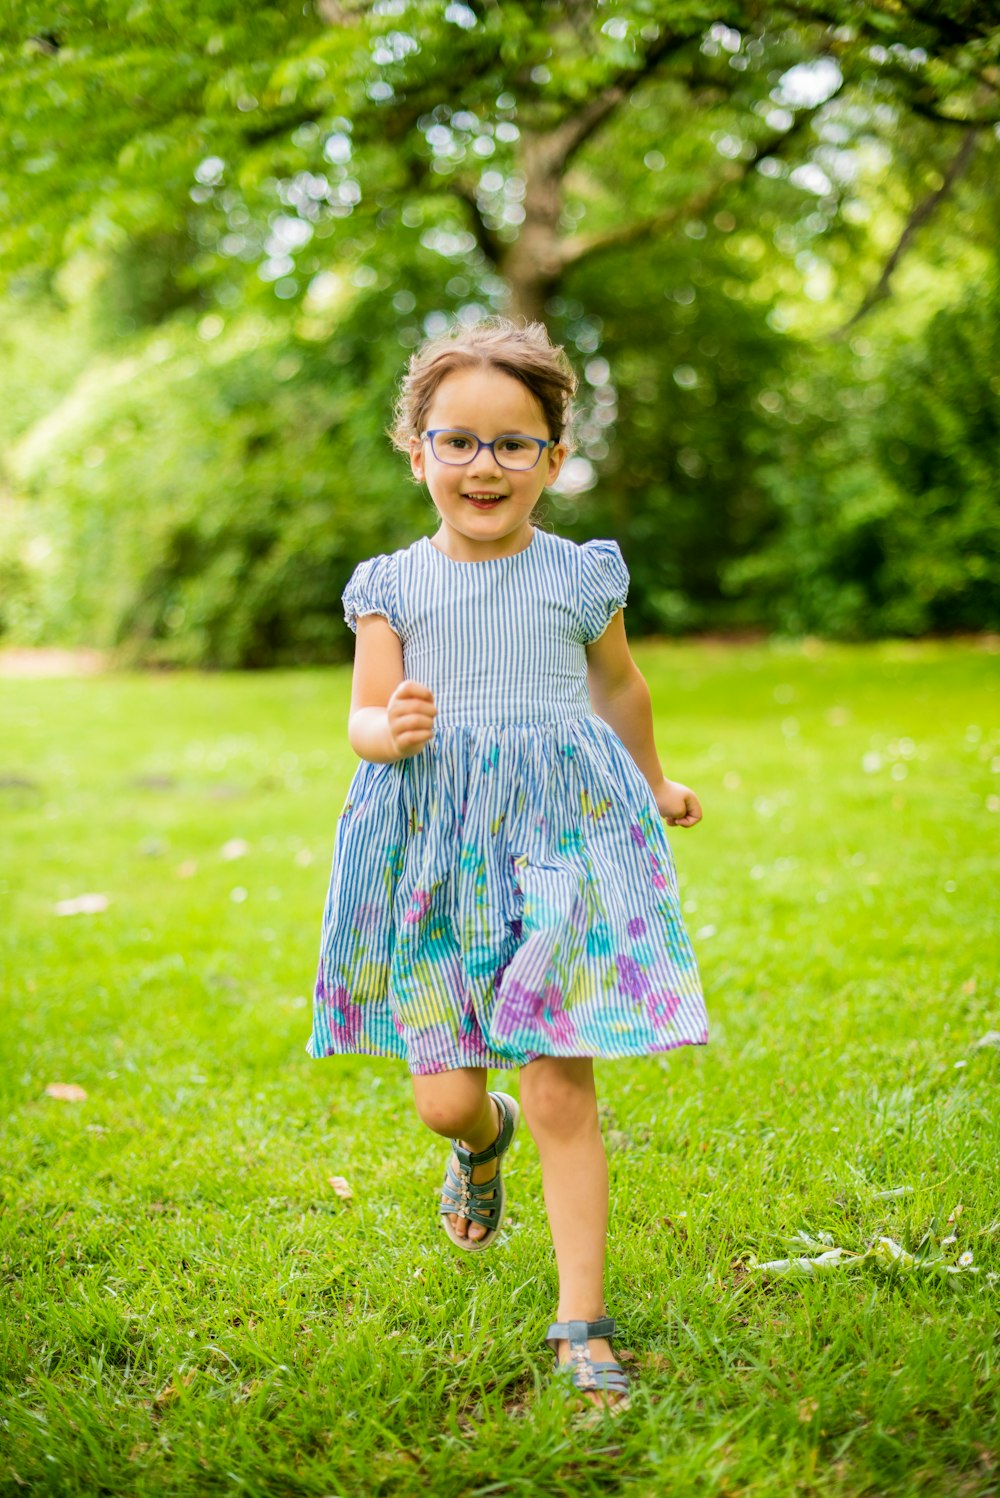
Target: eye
(514,444)
(457,440)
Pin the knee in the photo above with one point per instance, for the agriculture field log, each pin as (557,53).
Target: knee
(557,1101)
(447,1108)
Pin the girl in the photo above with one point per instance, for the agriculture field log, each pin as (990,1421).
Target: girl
(502,893)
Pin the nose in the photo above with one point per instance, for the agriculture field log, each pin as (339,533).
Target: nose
(485,463)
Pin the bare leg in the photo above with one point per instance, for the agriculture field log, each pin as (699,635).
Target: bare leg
(457,1105)
(560,1107)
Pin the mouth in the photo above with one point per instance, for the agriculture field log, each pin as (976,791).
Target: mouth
(484,501)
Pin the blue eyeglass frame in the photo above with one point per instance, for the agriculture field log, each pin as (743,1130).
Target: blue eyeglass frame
(460,431)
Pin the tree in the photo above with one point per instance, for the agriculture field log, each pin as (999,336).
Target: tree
(485,107)
(656,181)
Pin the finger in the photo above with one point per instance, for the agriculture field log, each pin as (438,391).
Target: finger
(414,704)
(414,689)
(411,721)
(418,711)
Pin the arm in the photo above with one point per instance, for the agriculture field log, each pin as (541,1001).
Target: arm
(390,718)
(620,696)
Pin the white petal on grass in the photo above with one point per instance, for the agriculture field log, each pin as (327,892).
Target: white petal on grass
(66,1092)
(883,1196)
(82,905)
(891,1252)
(991,1038)
(237,847)
(820,1264)
(884,1251)
(238,895)
(341,1188)
(965,1259)
(814,1240)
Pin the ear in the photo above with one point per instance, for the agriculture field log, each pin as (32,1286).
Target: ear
(417,459)
(557,456)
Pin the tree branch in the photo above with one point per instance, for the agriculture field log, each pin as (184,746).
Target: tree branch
(926,112)
(333,13)
(583,245)
(923,211)
(954,33)
(563,141)
(491,246)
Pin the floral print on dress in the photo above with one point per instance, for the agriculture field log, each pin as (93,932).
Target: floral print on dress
(509,891)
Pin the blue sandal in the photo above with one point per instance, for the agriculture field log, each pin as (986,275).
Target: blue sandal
(479,1201)
(586,1376)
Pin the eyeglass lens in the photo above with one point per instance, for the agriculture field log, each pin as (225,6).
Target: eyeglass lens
(460,447)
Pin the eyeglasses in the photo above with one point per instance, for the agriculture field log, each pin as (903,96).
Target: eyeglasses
(512,450)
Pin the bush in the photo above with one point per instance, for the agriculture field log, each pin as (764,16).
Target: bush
(886,514)
(207,505)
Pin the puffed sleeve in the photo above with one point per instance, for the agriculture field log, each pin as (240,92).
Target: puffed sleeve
(372,590)
(604,586)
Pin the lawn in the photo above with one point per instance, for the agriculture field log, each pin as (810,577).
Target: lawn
(189,1305)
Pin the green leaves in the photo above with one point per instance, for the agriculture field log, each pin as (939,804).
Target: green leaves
(634,174)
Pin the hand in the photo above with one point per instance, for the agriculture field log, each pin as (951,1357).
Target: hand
(410,714)
(677,803)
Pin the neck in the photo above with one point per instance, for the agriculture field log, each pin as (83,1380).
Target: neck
(462,548)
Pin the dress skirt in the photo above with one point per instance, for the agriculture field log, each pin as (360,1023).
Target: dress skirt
(504,894)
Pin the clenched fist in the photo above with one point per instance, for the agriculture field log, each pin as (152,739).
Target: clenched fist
(410,713)
(677,804)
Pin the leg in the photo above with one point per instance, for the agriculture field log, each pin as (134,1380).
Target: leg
(456,1105)
(560,1106)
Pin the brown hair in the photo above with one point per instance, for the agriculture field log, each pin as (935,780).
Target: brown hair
(520,350)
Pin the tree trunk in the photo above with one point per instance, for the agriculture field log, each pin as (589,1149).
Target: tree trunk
(533,266)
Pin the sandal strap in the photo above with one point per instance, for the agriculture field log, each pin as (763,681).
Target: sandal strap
(469,1198)
(597,1378)
(499,1147)
(576,1333)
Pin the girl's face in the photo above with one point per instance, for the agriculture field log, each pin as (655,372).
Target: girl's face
(489,404)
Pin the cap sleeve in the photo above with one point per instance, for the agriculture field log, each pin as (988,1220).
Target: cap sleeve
(372,590)
(604,587)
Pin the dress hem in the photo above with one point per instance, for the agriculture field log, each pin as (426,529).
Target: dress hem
(495,1062)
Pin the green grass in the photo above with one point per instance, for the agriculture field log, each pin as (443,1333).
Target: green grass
(188,1306)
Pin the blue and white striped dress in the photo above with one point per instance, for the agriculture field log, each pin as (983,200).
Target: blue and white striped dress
(508,892)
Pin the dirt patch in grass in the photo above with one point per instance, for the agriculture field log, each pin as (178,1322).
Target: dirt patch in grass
(48,661)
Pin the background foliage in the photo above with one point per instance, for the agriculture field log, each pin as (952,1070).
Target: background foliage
(766,235)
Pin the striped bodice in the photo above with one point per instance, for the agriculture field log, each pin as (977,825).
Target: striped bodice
(502,640)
